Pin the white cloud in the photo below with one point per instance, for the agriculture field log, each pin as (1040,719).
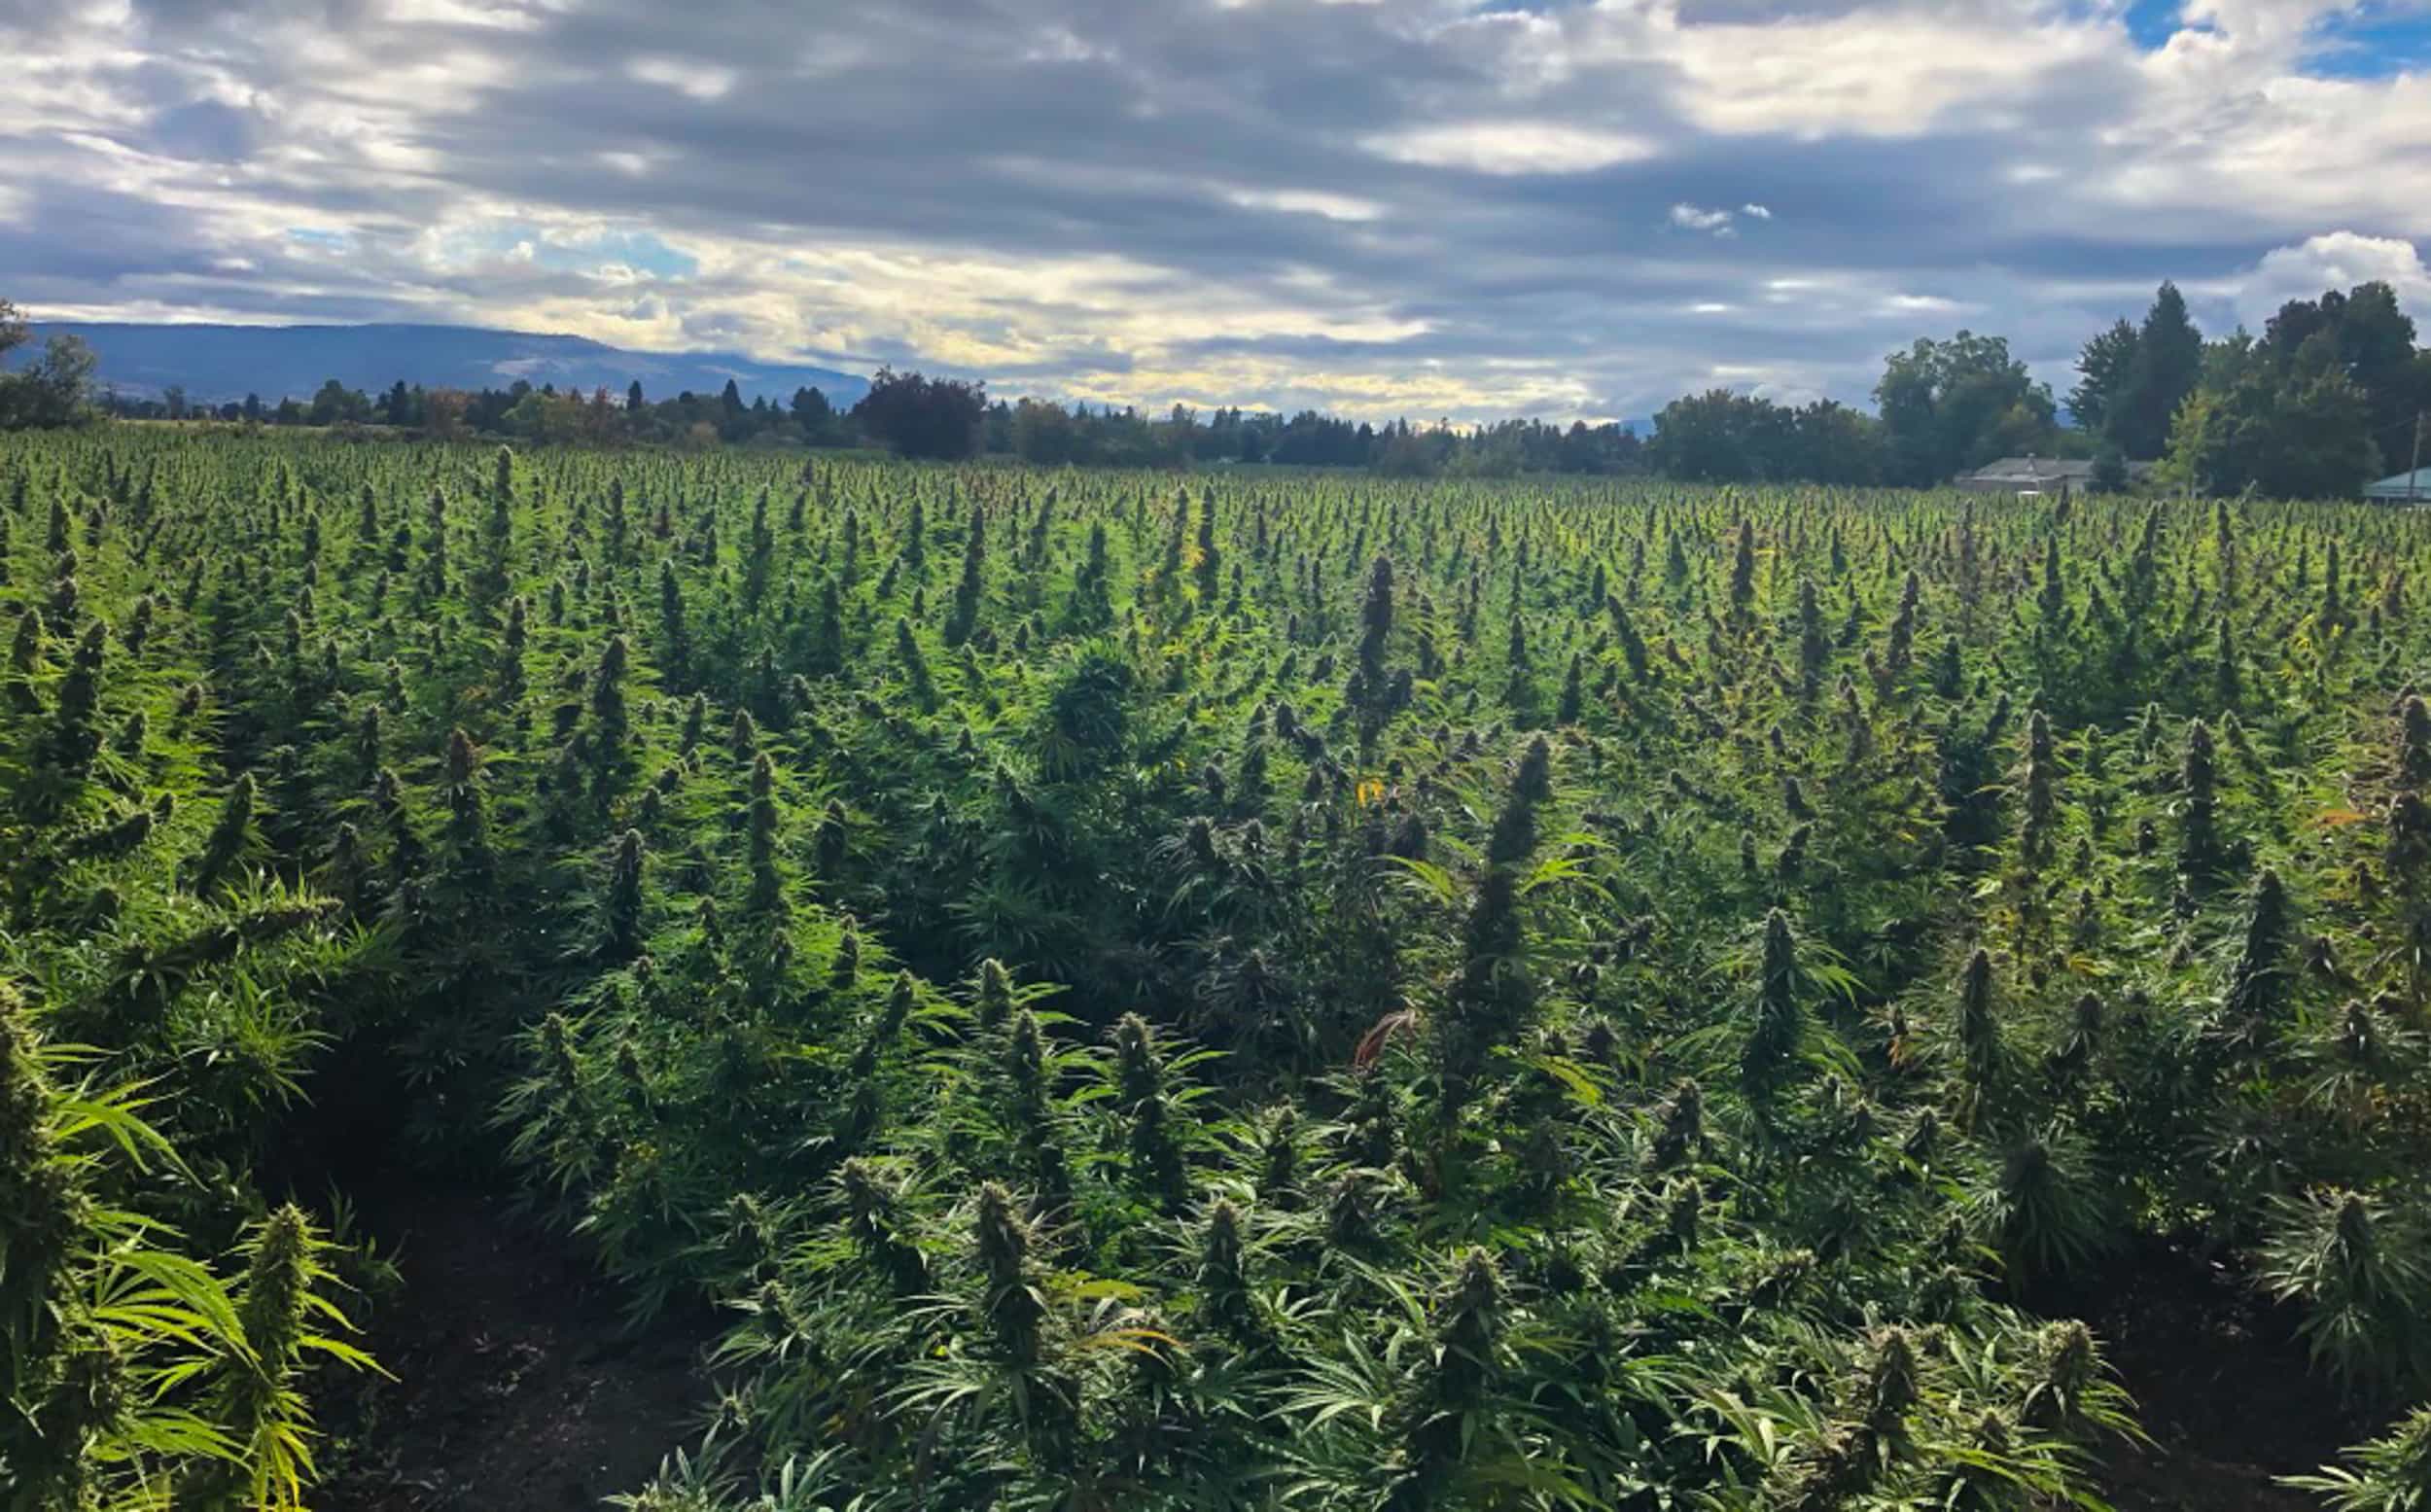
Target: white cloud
(1716,221)
(466,12)
(1887,71)
(1688,217)
(699,80)
(1307,202)
(1062,44)
(1509,147)
(1921,305)
(2339,260)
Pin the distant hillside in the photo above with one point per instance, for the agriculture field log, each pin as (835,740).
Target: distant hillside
(218,362)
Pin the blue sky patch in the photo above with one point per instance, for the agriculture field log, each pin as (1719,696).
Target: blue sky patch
(2153,22)
(2371,42)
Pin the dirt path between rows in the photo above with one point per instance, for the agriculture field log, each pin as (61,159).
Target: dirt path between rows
(2223,1388)
(518,1384)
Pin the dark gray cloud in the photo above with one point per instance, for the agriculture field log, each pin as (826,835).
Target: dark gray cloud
(206,131)
(1413,205)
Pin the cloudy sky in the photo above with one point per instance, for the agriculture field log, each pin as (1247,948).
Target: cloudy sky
(1419,208)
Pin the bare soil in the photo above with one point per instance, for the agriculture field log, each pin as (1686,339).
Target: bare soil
(517,1383)
(2221,1386)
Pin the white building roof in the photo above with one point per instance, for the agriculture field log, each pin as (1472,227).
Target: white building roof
(2396,488)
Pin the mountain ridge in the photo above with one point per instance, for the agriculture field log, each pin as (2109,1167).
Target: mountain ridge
(217,363)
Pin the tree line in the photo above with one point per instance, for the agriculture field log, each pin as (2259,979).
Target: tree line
(2327,397)
(545,414)
(940,418)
